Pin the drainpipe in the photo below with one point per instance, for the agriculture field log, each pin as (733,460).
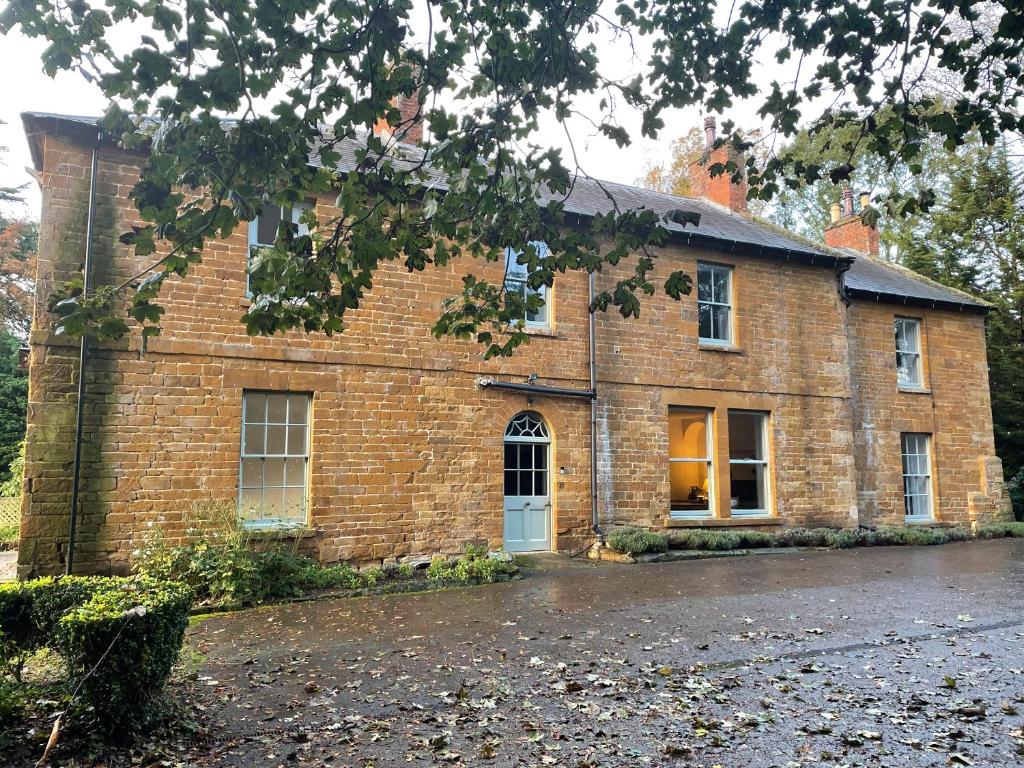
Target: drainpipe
(593,410)
(83,357)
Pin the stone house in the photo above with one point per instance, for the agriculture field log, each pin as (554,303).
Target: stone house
(798,385)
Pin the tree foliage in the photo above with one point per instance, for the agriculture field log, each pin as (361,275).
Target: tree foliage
(13,401)
(19,240)
(301,76)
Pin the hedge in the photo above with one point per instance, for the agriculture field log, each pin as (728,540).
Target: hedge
(118,637)
(637,541)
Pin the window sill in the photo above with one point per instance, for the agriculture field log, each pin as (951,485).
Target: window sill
(278,531)
(914,390)
(548,333)
(712,347)
(721,522)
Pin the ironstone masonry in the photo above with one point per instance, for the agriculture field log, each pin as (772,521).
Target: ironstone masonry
(407,454)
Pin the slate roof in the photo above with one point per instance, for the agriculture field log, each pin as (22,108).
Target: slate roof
(719,227)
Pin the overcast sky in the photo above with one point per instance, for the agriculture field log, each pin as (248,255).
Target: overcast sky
(27,88)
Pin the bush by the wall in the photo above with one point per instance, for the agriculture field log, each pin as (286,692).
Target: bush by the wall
(637,541)
(1001,530)
(119,646)
(475,566)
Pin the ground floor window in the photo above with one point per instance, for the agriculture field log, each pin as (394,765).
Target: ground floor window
(916,448)
(691,467)
(275,458)
(748,463)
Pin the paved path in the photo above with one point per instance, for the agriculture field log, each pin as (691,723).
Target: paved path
(887,656)
(8,565)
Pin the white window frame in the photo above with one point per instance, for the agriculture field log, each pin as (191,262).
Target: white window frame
(516,277)
(715,301)
(275,522)
(914,351)
(764,462)
(291,213)
(709,460)
(919,438)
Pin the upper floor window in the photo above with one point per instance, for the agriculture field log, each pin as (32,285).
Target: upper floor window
(516,281)
(263,229)
(275,458)
(908,352)
(714,303)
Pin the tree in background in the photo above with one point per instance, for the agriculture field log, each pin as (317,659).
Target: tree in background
(13,402)
(19,239)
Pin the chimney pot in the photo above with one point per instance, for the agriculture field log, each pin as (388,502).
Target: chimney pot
(836,212)
(709,132)
(847,201)
(865,200)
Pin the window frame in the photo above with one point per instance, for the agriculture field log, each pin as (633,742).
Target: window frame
(928,476)
(766,510)
(709,460)
(729,304)
(294,217)
(523,284)
(298,521)
(917,353)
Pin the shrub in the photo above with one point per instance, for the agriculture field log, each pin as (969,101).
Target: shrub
(1001,530)
(637,541)
(475,566)
(120,645)
(8,534)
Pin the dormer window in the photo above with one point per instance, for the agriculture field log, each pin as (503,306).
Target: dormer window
(714,304)
(516,281)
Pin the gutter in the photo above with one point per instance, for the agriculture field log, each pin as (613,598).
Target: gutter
(536,389)
(916,301)
(83,358)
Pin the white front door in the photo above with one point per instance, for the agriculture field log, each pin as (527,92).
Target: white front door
(527,484)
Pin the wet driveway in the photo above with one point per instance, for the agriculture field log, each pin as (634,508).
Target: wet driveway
(886,656)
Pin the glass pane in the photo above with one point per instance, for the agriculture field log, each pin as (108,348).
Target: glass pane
(252,473)
(540,457)
(704,279)
(294,504)
(250,502)
(907,332)
(276,439)
(277,409)
(511,456)
(297,407)
(296,441)
(273,471)
(295,472)
(526,482)
(253,439)
(704,328)
(746,487)
(720,285)
(746,438)
(255,408)
(511,482)
(541,315)
(512,266)
(273,503)
(907,368)
(526,456)
(689,486)
(687,434)
(540,483)
(720,330)
(267,223)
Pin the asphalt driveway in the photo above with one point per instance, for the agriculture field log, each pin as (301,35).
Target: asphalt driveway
(887,656)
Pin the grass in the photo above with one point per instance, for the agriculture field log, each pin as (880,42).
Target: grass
(638,541)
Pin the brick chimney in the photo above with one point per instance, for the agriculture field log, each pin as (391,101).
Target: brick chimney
(718,189)
(847,229)
(410,127)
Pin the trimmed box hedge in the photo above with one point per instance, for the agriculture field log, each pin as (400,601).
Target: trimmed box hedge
(118,637)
